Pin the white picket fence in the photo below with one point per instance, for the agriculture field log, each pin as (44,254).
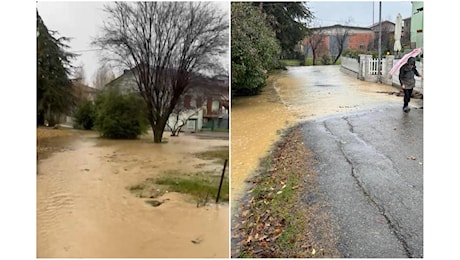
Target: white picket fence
(373,66)
(365,68)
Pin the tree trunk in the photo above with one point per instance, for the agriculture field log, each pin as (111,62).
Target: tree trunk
(158,130)
(40,118)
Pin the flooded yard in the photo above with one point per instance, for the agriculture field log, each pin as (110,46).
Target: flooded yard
(86,207)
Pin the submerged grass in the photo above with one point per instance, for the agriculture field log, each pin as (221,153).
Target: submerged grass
(197,185)
(220,154)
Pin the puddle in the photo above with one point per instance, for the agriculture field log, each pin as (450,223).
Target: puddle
(85,208)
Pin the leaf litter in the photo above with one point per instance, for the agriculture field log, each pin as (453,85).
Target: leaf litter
(281,215)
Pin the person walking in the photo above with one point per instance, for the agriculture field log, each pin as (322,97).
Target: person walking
(407,81)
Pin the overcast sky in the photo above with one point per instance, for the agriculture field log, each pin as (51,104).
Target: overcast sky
(82,22)
(360,12)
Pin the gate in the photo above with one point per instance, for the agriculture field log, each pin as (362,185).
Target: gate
(373,66)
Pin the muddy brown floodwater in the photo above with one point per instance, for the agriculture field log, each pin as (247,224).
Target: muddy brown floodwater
(295,95)
(85,209)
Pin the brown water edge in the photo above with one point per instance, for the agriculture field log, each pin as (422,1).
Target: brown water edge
(292,96)
(84,207)
(256,123)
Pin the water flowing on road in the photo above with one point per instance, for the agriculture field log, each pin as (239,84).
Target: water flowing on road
(295,95)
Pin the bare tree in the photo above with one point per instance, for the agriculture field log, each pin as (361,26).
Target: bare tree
(180,117)
(167,45)
(316,42)
(189,105)
(103,76)
(340,35)
(79,74)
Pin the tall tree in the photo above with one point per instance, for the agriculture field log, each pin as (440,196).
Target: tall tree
(255,49)
(340,36)
(103,76)
(288,20)
(166,44)
(54,88)
(316,42)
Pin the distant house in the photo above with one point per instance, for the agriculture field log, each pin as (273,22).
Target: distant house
(203,106)
(387,26)
(83,92)
(405,38)
(358,39)
(366,38)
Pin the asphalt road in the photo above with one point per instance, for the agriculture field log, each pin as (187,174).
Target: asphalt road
(371,175)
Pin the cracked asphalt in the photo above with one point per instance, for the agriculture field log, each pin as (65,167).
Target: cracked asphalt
(370,172)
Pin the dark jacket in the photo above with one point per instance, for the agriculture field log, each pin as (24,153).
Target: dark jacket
(406,76)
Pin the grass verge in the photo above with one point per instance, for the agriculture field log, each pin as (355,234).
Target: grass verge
(273,221)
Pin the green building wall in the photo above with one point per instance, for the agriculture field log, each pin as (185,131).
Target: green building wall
(416,35)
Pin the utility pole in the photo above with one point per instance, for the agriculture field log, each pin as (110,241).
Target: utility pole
(380,43)
(373,24)
(373,11)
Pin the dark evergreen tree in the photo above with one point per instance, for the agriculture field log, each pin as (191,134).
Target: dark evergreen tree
(54,88)
(288,20)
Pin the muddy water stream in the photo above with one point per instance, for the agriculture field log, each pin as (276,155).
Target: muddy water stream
(292,96)
(85,209)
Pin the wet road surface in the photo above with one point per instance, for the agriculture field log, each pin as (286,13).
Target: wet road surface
(373,183)
(292,96)
(371,174)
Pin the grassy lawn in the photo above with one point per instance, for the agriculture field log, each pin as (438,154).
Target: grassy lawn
(308,62)
(290,62)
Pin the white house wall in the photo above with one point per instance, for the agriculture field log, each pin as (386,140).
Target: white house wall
(193,116)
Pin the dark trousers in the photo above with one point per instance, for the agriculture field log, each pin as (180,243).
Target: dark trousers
(407,95)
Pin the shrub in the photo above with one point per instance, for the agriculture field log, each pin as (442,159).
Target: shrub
(253,48)
(352,53)
(325,60)
(120,116)
(85,115)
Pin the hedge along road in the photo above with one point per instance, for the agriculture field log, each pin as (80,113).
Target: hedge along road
(85,207)
(322,96)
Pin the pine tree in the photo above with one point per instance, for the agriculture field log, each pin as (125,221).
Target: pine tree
(288,20)
(54,88)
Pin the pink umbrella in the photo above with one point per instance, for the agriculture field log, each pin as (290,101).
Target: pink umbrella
(404,59)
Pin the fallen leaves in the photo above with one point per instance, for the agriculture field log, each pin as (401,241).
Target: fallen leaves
(271,222)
